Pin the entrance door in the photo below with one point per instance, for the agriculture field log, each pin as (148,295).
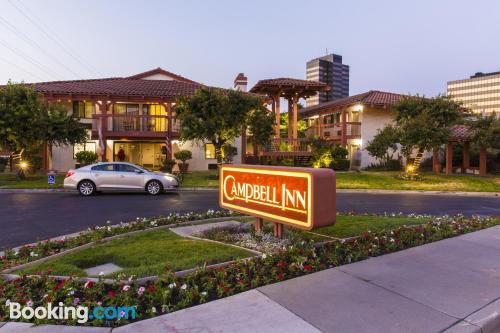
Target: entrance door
(148,155)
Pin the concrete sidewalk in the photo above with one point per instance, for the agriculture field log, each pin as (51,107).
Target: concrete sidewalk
(448,286)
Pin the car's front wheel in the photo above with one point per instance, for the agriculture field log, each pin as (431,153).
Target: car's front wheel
(154,187)
(86,188)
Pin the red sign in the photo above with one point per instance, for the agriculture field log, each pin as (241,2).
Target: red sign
(301,197)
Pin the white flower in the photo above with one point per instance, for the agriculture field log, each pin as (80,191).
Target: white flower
(126,287)
(33,254)
(7,302)
(109,228)
(203,293)
(153,309)
(264,256)
(71,293)
(101,273)
(392,240)
(184,286)
(172,285)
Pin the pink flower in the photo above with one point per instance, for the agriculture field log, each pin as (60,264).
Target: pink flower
(76,301)
(29,303)
(140,291)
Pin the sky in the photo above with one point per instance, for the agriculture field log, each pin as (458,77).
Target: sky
(397,46)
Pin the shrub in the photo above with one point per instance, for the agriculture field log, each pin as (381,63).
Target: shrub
(168,165)
(389,165)
(339,152)
(340,165)
(229,152)
(3,163)
(86,157)
(183,156)
(321,153)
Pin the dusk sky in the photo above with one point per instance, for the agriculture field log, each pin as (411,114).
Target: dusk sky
(398,46)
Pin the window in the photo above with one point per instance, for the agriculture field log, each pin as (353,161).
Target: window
(209,151)
(83,109)
(87,146)
(103,167)
(125,168)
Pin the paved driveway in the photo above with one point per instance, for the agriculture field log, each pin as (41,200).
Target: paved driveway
(27,217)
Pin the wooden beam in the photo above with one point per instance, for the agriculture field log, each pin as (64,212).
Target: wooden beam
(277,114)
(343,139)
(436,166)
(482,161)
(466,157)
(295,130)
(449,158)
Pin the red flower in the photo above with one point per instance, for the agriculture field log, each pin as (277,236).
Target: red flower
(307,268)
(59,285)
(111,293)
(49,299)
(89,284)
(280,276)
(151,288)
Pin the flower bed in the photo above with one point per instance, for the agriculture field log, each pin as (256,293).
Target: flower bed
(47,248)
(170,293)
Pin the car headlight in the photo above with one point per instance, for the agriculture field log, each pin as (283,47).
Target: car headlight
(170,178)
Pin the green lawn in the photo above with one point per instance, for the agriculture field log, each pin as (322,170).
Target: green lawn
(144,254)
(9,180)
(355,225)
(350,225)
(200,179)
(345,180)
(381,180)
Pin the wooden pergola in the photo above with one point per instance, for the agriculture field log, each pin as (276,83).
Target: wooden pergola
(292,90)
(461,134)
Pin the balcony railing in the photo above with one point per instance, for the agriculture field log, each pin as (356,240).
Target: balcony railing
(138,123)
(334,131)
(285,145)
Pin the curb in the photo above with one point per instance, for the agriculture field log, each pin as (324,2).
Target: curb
(213,189)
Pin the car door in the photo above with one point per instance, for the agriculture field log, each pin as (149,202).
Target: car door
(129,177)
(103,175)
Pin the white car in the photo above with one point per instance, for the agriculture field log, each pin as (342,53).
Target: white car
(116,176)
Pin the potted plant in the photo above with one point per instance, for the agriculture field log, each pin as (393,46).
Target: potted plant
(183,156)
(84,158)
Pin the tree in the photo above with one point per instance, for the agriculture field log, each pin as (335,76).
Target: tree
(218,116)
(486,130)
(183,156)
(384,143)
(302,126)
(229,153)
(260,124)
(420,124)
(27,121)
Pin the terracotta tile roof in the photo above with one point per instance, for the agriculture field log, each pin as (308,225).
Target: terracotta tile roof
(372,97)
(461,132)
(161,71)
(118,87)
(288,82)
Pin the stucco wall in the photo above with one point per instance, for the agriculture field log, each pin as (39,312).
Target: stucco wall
(372,119)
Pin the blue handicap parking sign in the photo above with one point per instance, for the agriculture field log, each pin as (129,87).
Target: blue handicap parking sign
(51,179)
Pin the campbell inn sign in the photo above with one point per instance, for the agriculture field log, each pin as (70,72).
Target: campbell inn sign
(300,197)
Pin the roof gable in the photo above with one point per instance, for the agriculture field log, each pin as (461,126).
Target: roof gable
(160,74)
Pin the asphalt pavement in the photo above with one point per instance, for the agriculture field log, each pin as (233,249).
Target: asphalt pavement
(28,217)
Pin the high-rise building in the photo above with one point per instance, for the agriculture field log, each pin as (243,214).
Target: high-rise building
(480,93)
(330,70)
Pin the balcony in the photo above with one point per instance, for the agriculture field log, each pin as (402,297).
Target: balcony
(334,131)
(137,126)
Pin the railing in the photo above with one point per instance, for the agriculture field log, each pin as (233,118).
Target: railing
(288,145)
(138,123)
(334,131)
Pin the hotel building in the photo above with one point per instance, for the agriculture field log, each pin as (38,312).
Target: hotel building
(479,93)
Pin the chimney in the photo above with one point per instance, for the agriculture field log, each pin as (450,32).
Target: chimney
(240,82)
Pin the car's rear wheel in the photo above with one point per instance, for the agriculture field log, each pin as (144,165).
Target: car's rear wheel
(86,188)
(154,187)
